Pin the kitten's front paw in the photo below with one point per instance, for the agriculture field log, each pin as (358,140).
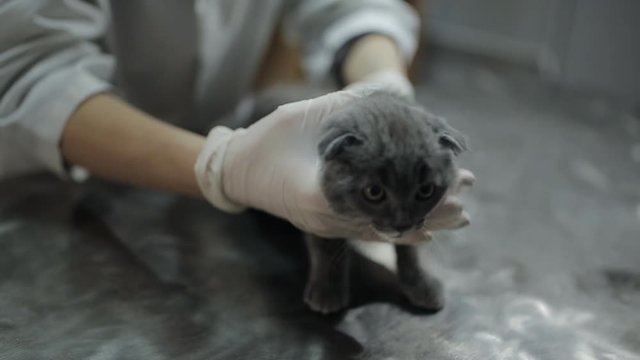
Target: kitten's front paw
(326,297)
(426,293)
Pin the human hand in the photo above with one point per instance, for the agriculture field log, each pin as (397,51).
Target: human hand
(274,166)
(450,214)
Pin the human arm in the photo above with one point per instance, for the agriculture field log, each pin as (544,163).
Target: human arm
(372,54)
(115,141)
(376,34)
(373,61)
(56,103)
(48,66)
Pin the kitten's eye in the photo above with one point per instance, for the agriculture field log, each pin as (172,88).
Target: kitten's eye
(374,193)
(425,191)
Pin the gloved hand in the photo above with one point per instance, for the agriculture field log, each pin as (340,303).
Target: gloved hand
(449,214)
(274,166)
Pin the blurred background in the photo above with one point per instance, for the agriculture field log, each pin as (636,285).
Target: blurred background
(588,46)
(583,44)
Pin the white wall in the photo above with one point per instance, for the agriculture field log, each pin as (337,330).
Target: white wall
(591,44)
(604,51)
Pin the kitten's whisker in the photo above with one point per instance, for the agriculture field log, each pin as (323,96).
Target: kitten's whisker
(437,245)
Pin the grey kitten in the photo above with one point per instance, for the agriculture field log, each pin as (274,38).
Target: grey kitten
(387,161)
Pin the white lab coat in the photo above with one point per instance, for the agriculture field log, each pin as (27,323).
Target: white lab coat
(184,61)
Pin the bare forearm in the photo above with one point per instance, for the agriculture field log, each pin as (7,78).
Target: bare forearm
(117,142)
(371,54)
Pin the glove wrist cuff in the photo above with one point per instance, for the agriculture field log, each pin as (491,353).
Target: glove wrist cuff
(392,81)
(209,166)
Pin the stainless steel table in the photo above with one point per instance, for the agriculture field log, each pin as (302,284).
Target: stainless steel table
(549,269)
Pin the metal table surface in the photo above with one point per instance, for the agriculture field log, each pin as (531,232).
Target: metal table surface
(549,268)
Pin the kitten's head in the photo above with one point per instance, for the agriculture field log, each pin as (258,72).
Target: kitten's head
(387,162)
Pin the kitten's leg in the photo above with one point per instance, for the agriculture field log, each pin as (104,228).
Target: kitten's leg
(420,288)
(328,285)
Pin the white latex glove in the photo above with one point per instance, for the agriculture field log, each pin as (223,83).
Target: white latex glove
(392,81)
(274,166)
(449,214)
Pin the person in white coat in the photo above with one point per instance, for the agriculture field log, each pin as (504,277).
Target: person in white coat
(112,87)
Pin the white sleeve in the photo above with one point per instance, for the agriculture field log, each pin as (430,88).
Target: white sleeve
(49,64)
(321,27)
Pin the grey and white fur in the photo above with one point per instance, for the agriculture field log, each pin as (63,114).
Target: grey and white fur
(389,162)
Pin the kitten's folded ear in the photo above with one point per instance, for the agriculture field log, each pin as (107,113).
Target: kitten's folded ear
(335,143)
(453,140)
(450,138)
